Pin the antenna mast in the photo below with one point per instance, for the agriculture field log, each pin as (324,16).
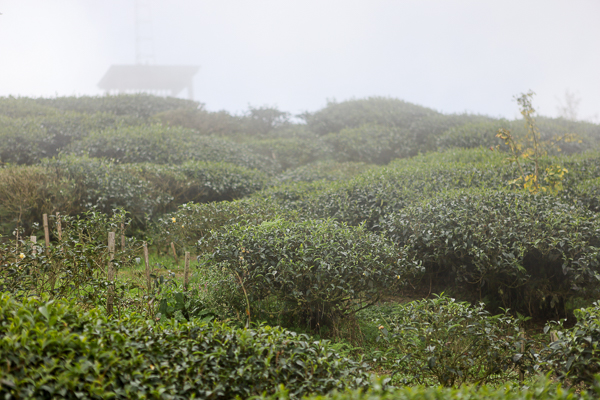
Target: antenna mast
(144,40)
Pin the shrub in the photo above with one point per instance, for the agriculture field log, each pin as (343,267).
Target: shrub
(73,266)
(449,343)
(72,185)
(519,250)
(320,270)
(326,170)
(541,388)
(166,145)
(575,354)
(588,193)
(370,196)
(219,123)
(54,349)
(140,105)
(473,135)
(291,152)
(29,139)
(191,223)
(373,144)
(374,110)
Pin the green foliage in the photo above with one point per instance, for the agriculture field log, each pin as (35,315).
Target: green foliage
(320,270)
(73,266)
(589,194)
(519,250)
(193,222)
(575,354)
(374,110)
(290,152)
(219,123)
(473,135)
(370,196)
(542,388)
(72,185)
(142,106)
(449,343)
(166,145)
(326,170)
(54,349)
(373,144)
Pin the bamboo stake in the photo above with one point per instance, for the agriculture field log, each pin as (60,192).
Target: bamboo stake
(122,236)
(46,232)
(174,253)
(521,374)
(186,270)
(34,241)
(147,263)
(58,226)
(110,273)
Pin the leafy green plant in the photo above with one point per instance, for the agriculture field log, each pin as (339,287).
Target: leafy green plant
(56,349)
(74,266)
(528,252)
(453,343)
(321,271)
(542,388)
(574,355)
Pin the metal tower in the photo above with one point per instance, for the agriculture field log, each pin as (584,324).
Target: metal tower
(144,38)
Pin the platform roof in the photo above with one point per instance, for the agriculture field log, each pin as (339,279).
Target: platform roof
(174,78)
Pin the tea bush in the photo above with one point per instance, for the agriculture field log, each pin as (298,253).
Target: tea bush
(473,135)
(219,123)
(326,170)
(55,349)
(140,105)
(575,354)
(72,185)
(373,144)
(369,197)
(579,136)
(542,388)
(374,110)
(320,270)
(291,152)
(515,249)
(193,222)
(166,145)
(442,341)
(73,266)
(588,194)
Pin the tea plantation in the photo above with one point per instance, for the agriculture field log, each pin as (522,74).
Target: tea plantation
(373,249)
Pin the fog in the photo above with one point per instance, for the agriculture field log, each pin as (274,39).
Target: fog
(453,56)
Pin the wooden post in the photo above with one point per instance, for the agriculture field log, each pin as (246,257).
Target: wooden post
(110,273)
(58,226)
(521,374)
(147,263)
(186,270)
(174,253)
(46,232)
(122,236)
(34,241)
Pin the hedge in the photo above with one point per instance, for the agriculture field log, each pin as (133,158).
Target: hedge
(55,349)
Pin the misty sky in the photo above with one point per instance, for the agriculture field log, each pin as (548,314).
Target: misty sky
(450,55)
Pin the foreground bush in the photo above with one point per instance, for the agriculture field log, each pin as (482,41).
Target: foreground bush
(445,342)
(54,349)
(321,271)
(575,355)
(541,389)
